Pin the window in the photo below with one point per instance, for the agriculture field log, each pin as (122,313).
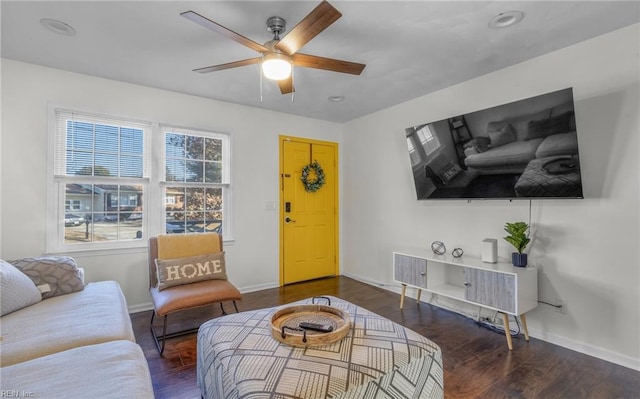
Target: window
(104,194)
(196,181)
(428,140)
(72,205)
(100,175)
(421,143)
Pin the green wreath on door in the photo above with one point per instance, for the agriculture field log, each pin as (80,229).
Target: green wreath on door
(314,185)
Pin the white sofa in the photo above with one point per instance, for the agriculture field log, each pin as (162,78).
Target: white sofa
(510,144)
(73,345)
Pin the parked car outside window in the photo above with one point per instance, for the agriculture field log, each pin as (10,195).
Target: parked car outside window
(73,220)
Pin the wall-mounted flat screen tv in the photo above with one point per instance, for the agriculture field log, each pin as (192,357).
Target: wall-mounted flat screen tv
(521,150)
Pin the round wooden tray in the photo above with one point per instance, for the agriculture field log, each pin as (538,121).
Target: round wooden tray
(285,322)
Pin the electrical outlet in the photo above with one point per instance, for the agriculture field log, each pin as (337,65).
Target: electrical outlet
(563,306)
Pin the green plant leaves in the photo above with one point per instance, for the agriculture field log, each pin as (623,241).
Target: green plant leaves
(517,235)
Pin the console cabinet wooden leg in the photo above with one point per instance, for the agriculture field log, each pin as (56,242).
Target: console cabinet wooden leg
(523,318)
(507,330)
(418,298)
(404,291)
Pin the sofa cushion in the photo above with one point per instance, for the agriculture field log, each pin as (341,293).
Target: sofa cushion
(517,153)
(17,290)
(558,144)
(58,275)
(545,127)
(566,107)
(520,123)
(172,272)
(94,315)
(109,370)
(500,133)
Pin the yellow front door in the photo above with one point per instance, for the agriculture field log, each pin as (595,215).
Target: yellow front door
(308,223)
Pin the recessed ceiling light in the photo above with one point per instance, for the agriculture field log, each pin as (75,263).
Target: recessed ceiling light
(336,99)
(58,27)
(505,19)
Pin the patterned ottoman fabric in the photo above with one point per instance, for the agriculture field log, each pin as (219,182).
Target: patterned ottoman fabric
(536,182)
(238,358)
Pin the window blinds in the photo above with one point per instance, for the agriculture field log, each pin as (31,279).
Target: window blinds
(89,145)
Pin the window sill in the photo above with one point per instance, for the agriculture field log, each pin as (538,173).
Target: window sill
(142,248)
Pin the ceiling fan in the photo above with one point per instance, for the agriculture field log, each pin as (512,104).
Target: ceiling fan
(280,54)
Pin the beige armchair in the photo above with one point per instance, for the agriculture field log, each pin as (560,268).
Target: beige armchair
(187,296)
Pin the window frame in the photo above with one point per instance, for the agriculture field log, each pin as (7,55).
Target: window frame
(414,140)
(153,182)
(225,184)
(56,184)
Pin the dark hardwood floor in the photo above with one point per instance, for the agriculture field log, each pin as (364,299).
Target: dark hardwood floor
(477,362)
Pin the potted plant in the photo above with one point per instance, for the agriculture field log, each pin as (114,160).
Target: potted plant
(519,238)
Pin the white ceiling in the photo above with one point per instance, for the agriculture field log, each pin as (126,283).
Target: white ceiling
(411,48)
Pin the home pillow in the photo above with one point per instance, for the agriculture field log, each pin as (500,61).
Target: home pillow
(546,127)
(500,133)
(448,172)
(16,289)
(172,272)
(53,275)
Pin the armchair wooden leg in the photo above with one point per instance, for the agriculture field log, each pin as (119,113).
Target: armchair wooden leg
(236,306)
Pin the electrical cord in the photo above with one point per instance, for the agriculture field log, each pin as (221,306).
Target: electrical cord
(550,304)
(492,326)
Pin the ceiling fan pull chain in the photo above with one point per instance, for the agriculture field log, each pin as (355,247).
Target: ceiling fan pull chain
(293,92)
(260,73)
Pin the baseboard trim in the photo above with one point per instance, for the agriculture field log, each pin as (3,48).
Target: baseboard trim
(587,349)
(140,307)
(258,287)
(565,342)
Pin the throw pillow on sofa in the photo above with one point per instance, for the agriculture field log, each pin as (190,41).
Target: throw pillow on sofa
(500,133)
(56,275)
(542,128)
(172,272)
(478,144)
(17,291)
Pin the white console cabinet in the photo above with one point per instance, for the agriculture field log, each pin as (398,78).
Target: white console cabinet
(499,286)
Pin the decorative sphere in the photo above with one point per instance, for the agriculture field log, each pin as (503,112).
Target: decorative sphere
(457,252)
(438,248)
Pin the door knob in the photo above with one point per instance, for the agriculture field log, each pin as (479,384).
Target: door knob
(289,220)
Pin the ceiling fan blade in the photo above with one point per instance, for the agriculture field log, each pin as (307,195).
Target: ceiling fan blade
(329,64)
(229,65)
(286,85)
(214,26)
(315,22)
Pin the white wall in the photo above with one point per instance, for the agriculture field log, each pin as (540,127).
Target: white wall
(587,250)
(28,89)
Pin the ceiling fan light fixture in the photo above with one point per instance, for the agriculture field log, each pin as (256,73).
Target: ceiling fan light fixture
(276,66)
